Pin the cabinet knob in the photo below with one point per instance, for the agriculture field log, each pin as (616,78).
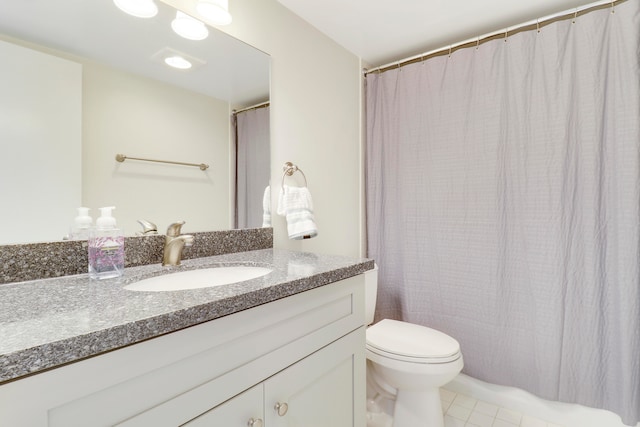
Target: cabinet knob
(282,409)
(255,422)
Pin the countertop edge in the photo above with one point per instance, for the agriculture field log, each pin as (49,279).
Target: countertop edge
(37,359)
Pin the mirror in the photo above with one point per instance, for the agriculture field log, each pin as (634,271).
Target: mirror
(81,82)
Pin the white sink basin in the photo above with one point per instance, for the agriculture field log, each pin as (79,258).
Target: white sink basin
(196,279)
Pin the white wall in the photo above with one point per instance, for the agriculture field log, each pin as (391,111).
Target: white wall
(61,155)
(40,131)
(315,119)
(140,117)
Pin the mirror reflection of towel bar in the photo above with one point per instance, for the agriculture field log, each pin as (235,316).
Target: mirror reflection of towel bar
(289,169)
(121,158)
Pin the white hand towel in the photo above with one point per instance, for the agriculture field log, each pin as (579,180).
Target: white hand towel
(266,207)
(296,205)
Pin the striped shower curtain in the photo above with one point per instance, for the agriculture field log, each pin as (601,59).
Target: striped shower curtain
(503,205)
(253,165)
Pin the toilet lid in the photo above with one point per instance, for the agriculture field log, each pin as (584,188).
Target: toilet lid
(407,340)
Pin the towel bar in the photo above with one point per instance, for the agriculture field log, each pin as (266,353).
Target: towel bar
(121,158)
(289,169)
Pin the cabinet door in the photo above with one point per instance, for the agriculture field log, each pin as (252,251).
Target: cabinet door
(321,390)
(246,409)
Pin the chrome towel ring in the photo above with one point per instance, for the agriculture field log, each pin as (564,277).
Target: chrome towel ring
(289,169)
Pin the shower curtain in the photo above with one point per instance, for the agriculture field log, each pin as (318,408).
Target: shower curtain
(503,194)
(253,165)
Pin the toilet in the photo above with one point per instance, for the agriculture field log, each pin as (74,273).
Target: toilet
(408,363)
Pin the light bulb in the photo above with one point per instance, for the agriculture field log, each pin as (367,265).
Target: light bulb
(139,8)
(188,27)
(178,62)
(215,11)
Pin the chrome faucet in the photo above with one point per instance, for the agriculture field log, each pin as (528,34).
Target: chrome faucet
(147,228)
(174,243)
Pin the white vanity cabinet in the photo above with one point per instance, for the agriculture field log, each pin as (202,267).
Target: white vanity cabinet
(317,391)
(246,409)
(305,352)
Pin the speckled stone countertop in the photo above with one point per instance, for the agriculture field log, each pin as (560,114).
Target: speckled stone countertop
(47,323)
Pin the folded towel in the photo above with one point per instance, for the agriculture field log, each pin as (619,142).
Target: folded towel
(296,205)
(266,207)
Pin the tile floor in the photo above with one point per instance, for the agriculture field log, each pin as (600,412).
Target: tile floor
(464,411)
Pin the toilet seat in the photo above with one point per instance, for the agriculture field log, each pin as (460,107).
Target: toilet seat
(407,342)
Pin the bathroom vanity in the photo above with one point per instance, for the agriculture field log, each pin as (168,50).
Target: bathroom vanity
(283,349)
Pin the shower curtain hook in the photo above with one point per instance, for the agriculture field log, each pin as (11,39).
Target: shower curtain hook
(575,15)
(612,9)
(477,42)
(538,25)
(449,51)
(506,33)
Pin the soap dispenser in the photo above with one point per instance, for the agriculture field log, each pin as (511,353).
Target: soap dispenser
(81,225)
(106,247)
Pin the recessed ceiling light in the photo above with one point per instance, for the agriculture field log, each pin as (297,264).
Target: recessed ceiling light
(188,27)
(178,62)
(215,11)
(139,8)
(177,59)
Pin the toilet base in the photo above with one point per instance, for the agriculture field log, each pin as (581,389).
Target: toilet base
(418,409)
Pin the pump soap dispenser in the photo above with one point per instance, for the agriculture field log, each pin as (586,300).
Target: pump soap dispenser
(81,225)
(106,247)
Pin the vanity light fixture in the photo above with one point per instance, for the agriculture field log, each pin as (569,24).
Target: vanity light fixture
(215,11)
(188,27)
(178,62)
(139,8)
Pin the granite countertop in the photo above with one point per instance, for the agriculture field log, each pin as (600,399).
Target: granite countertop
(47,323)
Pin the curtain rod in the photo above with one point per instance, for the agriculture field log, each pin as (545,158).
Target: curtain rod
(253,107)
(526,26)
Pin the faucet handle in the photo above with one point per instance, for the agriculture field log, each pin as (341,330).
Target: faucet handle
(188,239)
(147,227)
(174,229)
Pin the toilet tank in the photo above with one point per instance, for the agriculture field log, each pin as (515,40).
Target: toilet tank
(370,293)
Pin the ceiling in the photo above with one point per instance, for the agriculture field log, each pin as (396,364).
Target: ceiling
(383,31)
(229,69)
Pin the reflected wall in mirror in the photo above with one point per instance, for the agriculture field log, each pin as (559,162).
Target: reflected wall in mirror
(85,82)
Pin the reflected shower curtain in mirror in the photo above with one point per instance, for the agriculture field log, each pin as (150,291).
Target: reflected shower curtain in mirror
(503,193)
(252,165)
